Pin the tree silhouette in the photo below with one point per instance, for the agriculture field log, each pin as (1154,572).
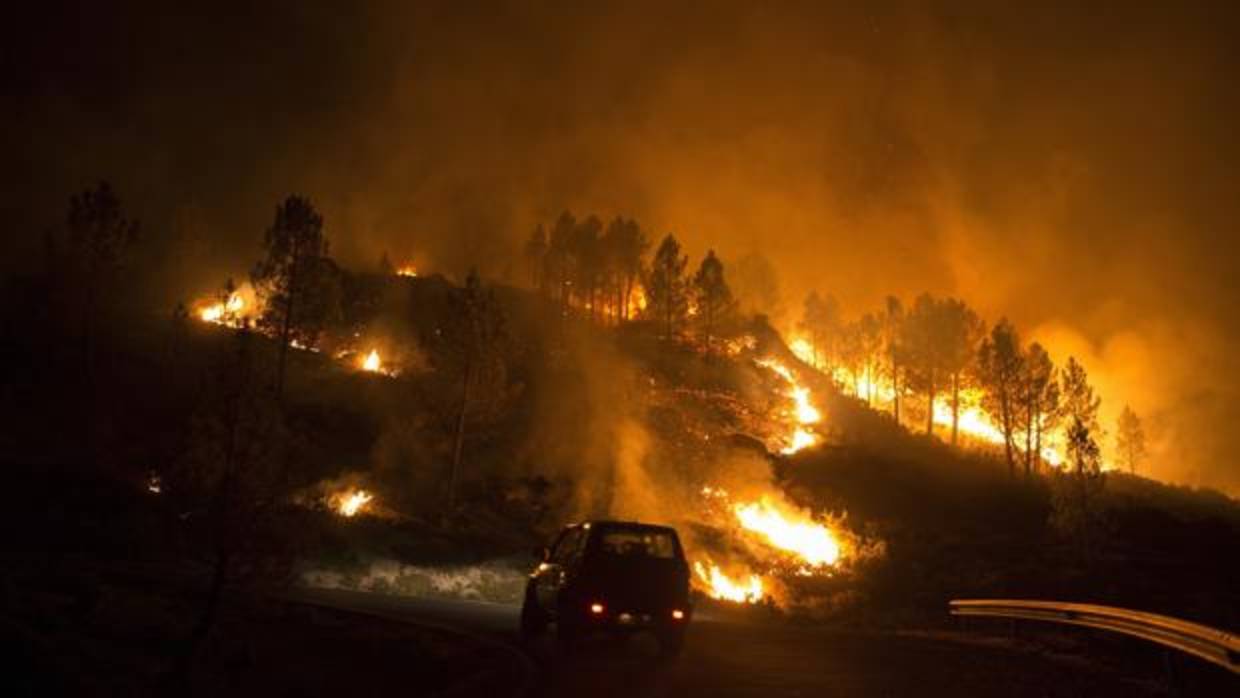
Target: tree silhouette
(472,353)
(1130,439)
(820,320)
(1000,366)
(714,298)
(1039,402)
(1079,402)
(535,252)
(626,245)
(559,259)
(892,326)
(98,237)
(1074,497)
(295,279)
(961,332)
(666,285)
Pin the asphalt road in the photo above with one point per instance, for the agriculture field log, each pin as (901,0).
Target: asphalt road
(725,657)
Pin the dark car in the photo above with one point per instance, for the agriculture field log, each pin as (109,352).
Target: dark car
(613,576)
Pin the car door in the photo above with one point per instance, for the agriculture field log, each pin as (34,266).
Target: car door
(552,571)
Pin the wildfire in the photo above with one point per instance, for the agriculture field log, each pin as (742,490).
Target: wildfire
(371,362)
(407,270)
(792,532)
(351,503)
(770,523)
(226,312)
(721,586)
(804,413)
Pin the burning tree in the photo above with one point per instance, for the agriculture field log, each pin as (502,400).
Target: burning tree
(892,321)
(820,321)
(1130,439)
(625,244)
(667,287)
(714,298)
(296,279)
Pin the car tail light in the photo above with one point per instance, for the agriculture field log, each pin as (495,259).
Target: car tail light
(597,609)
(678,614)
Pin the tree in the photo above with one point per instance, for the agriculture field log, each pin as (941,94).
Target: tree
(99,236)
(295,279)
(714,298)
(1000,366)
(1074,498)
(961,331)
(1038,403)
(820,320)
(1079,402)
(233,484)
(559,259)
(893,328)
(473,352)
(935,334)
(625,246)
(869,341)
(535,257)
(1130,439)
(587,255)
(667,287)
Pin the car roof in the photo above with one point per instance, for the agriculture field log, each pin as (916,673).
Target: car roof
(612,523)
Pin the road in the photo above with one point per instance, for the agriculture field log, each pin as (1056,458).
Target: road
(725,657)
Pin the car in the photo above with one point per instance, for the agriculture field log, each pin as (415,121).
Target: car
(618,577)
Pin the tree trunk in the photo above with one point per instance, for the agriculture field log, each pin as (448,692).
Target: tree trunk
(287,326)
(930,395)
(460,435)
(955,408)
(1005,409)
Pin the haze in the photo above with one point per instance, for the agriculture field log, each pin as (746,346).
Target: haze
(1073,169)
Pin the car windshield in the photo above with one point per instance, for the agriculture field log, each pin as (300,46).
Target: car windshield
(650,543)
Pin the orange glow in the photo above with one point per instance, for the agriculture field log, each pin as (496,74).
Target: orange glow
(721,586)
(371,362)
(353,502)
(791,531)
(678,614)
(803,412)
(596,608)
(407,270)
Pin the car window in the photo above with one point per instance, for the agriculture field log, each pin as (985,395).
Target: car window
(658,544)
(566,548)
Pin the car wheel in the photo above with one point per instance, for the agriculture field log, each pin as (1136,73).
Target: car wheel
(533,618)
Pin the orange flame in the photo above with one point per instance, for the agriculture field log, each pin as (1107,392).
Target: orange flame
(349,504)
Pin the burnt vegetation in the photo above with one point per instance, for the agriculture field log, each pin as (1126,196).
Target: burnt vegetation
(202,458)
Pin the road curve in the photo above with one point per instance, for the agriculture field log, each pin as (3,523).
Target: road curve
(730,658)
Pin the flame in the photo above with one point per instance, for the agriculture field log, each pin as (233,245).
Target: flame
(227,312)
(721,586)
(791,531)
(804,413)
(351,503)
(371,362)
(407,270)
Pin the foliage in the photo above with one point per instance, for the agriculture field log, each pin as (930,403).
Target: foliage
(1130,439)
(296,279)
(667,287)
(1075,496)
(1000,366)
(714,301)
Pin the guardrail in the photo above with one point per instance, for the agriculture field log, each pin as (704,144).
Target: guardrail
(1213,645)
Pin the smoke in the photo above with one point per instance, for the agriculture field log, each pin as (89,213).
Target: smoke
(1067,166)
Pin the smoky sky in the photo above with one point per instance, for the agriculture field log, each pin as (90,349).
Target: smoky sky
(1070,165)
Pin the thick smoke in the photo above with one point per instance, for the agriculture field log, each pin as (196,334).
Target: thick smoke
(1071,168)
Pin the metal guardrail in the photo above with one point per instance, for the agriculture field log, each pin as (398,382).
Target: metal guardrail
(1213,645)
